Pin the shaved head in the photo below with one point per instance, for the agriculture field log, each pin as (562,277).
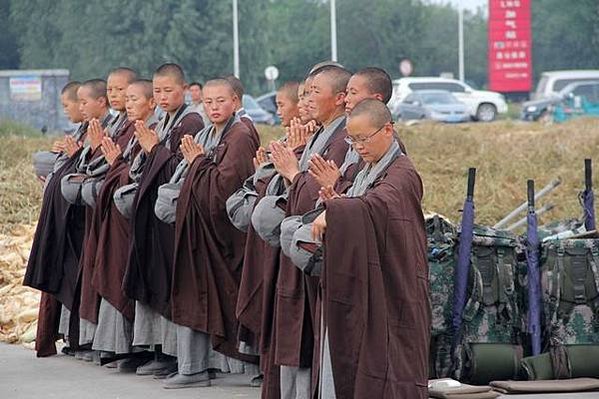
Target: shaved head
(220,82)
(145,85)
(128,73)
(378,82)
(290,90)
(376,111)
(337,77)
(97,87)
(236,85)
(322,64)
(70,90)
(171,70)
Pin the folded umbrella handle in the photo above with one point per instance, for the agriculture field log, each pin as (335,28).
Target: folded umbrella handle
(530,185)
(588,174)
(471,181)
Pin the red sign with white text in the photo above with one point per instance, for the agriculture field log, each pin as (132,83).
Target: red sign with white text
(510,41)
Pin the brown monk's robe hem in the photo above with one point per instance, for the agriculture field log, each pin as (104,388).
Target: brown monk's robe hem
(374,290)
(208,248)
(255,303)
(149,268)
(113,239)
(90,298)
(295,302)
(53,265)
(47,325)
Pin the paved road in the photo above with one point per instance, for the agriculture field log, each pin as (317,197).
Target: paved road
(22,376)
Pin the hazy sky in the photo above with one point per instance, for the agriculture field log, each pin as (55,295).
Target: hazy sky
(467,4)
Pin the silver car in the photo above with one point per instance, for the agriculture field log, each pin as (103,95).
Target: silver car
(437,105)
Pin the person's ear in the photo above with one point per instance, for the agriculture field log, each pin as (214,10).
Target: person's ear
(388,130)
(378,97)
(340,99)
(152,102)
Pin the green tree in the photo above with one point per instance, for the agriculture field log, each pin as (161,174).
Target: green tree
(9,54)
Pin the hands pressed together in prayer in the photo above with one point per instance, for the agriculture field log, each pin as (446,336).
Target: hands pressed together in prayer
(261,158)
(71,146)
(58,146)
(96,134)
(326,173)
(110,150)
(146,137)
(284,160)
(190,149)
(297,134)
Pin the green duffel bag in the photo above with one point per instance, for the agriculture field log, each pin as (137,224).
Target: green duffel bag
(486,362)
(571,361)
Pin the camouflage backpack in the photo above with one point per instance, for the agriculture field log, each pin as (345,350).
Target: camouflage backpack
(441,240)
(570,286)
(491,336)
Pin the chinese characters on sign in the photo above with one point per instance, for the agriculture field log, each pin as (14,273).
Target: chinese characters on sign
(510,40)
(25,88)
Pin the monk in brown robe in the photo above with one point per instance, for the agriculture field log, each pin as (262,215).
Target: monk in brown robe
(256,291)
(110,229)
(120,130)
(208,248)
(148,275)
(293,337)
(93,104)
(370,82)
(56,247)
(375,312)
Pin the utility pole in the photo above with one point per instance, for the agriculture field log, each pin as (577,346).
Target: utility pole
(235,40)
(333,31)
(461,42)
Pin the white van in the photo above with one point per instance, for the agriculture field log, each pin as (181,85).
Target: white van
(552,82)
(482,105)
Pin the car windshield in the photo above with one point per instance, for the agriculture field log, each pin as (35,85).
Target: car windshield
(249,103)
(438,98)
(562,83)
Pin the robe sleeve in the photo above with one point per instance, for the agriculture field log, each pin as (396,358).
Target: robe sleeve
(234,165)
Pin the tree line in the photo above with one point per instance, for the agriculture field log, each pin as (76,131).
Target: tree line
(91,37)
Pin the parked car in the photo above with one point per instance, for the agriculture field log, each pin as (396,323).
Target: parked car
(573,105)
(482,105)
(437,105)
(256,112)
(552,82)
(269,103)
(542,109)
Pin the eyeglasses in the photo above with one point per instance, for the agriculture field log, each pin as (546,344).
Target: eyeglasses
(353,141)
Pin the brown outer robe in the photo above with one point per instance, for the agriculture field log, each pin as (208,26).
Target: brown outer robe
(374,289)
(53,263)
(208,248)
(255,302)
(113,238)
(150,264)
(90,298)
(295,300)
